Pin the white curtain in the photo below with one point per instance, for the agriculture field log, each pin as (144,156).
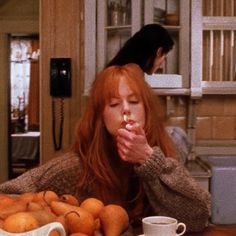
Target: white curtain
(20,76)
(24,83)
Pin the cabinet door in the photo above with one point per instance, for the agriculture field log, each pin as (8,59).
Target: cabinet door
(214,41)
(109,23)
(174,15)
(117,20)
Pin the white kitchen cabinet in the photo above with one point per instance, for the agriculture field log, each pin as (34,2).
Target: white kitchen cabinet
(117,20)
(176,21)
(109,23)
(213,33)
(204,35)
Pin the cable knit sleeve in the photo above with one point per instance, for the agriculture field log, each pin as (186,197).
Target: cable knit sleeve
(60,175)
(173,192)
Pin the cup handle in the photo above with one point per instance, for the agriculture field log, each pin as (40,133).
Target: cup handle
(183,226)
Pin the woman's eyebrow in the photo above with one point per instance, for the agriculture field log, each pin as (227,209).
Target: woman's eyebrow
(132,95)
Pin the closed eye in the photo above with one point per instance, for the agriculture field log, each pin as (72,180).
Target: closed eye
(134,101)
(114,104)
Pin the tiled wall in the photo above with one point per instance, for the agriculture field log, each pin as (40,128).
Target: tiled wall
(176,110)
(215,116)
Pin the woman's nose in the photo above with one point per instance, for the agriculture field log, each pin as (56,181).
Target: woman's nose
(126,112)
(126,109)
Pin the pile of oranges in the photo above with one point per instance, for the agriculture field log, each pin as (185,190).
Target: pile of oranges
(29,211)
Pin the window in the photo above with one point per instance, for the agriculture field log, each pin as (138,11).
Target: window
(22,55)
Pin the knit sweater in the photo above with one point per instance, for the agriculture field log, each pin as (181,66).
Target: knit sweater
(170,189)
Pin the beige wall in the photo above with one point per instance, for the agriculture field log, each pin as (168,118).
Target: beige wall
(210,122)
(216,118)
(4,74)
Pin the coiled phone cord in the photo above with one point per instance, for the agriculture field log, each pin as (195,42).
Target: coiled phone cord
(57,143)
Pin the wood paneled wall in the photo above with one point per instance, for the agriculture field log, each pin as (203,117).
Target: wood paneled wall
(4,108)
(20,18)
(61,30)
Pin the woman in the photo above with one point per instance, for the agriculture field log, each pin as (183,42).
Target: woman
(123,155)
(148,48)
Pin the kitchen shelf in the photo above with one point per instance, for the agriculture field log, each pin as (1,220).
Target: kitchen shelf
(170,92)
(218,87)
(120,27)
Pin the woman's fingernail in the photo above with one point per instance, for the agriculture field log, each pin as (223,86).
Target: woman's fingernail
(128,126)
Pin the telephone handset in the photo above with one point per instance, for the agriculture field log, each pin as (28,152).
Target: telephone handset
(60,87)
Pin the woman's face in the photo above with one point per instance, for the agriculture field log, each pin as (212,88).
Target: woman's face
(157,62)
(126,103)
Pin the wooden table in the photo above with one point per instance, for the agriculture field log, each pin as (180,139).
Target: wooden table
(213,230)
(216,230)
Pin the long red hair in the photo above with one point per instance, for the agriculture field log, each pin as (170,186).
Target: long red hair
(94,144)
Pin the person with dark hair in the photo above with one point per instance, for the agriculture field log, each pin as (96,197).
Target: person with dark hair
(148,48)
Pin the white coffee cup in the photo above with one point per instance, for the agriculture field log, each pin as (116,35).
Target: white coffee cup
(162,226)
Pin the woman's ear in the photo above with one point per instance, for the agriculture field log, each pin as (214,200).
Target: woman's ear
(159,52)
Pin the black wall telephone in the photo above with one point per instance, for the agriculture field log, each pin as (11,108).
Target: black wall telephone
(60,79)
(60,87)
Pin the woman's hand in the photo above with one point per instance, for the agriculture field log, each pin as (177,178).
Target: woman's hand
(132,144)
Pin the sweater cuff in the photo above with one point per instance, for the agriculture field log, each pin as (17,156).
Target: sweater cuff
(153,166)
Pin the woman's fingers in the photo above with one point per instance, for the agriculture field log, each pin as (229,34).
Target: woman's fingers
(132,144)
(136,128)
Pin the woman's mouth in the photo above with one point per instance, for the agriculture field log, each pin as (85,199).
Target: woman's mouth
(127,120)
